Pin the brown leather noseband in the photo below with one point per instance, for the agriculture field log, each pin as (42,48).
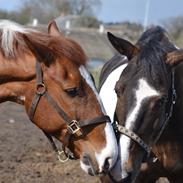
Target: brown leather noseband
(74,127)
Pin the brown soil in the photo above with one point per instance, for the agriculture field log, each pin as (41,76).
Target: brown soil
(26,155)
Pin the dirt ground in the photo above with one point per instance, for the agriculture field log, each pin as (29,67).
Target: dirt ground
(26,155)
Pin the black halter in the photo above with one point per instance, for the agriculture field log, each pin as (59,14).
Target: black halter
(150,156)
(74,127)
(137,139)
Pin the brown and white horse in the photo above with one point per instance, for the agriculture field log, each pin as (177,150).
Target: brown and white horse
(60,90)
(149,109)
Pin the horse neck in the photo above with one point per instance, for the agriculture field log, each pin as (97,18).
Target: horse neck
(20,69)
(16,76)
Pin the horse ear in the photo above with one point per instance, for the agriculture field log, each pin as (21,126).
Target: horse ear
(123,46)
(53,29)
(174,57)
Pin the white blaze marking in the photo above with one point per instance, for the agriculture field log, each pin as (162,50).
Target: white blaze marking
(110,150)
(143,92)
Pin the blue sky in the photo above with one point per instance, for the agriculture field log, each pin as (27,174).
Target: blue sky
(131,10)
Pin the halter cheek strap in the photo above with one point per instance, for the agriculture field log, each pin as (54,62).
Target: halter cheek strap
(133,136)
(74,127)
(151,157)
(137,139)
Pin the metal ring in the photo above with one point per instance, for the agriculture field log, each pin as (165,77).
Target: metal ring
(40,88)
(62,157)
(74,128)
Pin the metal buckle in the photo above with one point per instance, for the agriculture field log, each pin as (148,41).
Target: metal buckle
(40,88)
(62,157)
(74,128)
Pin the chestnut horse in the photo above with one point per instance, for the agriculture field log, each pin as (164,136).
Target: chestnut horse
(59,95)
(148,115)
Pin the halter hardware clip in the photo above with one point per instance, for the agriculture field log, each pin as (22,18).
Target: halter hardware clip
(62,157)
(40,89)
(74,128)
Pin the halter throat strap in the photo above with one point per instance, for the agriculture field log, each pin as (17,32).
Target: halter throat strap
(74,127)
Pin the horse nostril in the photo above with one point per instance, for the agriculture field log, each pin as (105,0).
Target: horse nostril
(86,160)
(106,165)
(127,178)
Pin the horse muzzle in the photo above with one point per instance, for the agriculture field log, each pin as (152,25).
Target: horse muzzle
(92,168)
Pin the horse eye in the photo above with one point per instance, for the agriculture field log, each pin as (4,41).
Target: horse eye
(117,92)
(119,89)
(72,91)
(160,101)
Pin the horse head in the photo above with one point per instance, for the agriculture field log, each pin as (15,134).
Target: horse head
(146,95)
(82,127)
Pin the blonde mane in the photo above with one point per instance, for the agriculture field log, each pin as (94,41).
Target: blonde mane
(9,33)
(16,39)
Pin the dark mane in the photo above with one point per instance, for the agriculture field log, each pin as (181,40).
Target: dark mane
(154,45)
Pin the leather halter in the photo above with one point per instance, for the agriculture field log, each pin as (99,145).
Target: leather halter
(74,127)
(150,156)
(137,139)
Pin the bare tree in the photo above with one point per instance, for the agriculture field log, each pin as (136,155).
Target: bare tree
(40,9)
(174,25)
(44,10)
(85,7)
(175,28)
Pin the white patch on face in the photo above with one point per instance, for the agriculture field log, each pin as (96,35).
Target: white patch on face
(107,92)
(143,92)
(111,150)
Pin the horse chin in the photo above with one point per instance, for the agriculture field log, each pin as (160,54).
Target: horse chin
(116,172)
(88,167)
(119,176)
(85,167)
